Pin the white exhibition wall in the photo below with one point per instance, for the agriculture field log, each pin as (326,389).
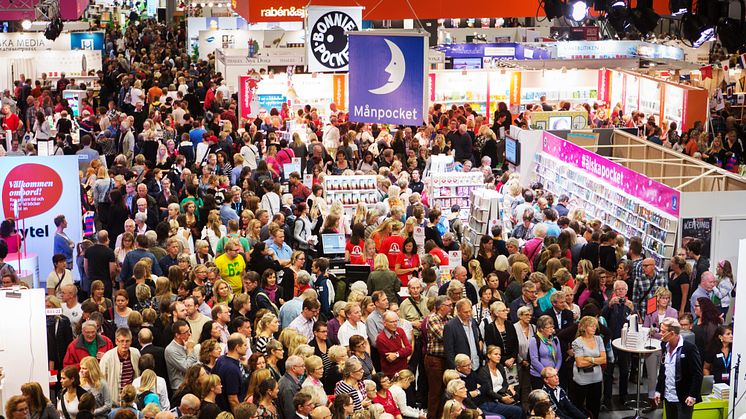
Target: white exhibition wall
(729,222)
(739,345)
(23,341)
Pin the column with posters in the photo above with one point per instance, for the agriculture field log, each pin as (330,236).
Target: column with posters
(35,190)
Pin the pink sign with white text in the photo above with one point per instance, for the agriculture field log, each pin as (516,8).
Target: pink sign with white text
(654,193)
(245,95)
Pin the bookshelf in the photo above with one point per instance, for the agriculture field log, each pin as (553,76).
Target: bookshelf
(454,188)
(627,215)
(351,190)
(485,212)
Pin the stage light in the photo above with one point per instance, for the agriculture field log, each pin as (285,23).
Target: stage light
(577,10)
(26,24)
(696,29)
(679,7)
(731,34)
(553,9)
(644,19)
(617,15)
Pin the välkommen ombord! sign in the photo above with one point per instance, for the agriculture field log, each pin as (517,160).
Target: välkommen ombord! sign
(387,77)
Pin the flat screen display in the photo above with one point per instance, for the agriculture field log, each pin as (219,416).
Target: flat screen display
(334,244)
(467,63)
(560,122)
(512,151)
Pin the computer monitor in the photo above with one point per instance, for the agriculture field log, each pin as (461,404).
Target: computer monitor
(560,122)
(334,244)
(512,151)
(354,273)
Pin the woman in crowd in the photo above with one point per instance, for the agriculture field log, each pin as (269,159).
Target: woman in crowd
(590,355)
(321,342)
(359,349)
(708,320)
(39,407)
(312,383)
(92,381)
(97,296)
(352,384)
(121,308)
(498,396)
(209,352)
(726,283)
(343,407)
(127,397)
(502,334)
(266,328)
(401,382)
(407,263)
(210,386)
(16,408)
(267,393)
(274,354)
(544,350)
(70,392)
(518,273)
(719,355)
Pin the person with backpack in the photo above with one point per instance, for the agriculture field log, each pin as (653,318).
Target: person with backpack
(532,249)
(302,237)
(147,392)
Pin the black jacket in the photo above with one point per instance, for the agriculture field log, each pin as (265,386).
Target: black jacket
(565,408)
(688,372)
(484,379)
(567,318)
(509,346)
(158,354)
(456,342)
(59,336)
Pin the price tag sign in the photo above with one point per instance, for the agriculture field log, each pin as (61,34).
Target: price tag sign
(308,180)
(454,259)
(419,239)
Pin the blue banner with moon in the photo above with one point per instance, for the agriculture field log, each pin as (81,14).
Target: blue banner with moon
(387,78)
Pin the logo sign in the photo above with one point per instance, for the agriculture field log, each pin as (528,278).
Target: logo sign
(327,36)
(389,90)
(87,40)
(33,188)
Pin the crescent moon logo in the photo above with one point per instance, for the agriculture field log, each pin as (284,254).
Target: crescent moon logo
(396,69)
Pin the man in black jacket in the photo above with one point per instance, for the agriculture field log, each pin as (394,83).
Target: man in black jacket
(145,338)
(558,396)
(559,313)
(461,335)
(680,374)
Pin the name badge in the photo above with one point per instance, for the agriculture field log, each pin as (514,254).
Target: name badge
(720,355)
(725,378)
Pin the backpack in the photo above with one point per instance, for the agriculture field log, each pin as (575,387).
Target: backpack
(289,228)
(141,399)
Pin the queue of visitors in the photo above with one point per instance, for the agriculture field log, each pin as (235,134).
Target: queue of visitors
(206,292)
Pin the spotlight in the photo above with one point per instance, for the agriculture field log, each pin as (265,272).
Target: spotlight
(577,10)
(731,34)
(679,7)
(26,24)
(644,19)
(54,29)
(553,9)
(618,16)
(696,29)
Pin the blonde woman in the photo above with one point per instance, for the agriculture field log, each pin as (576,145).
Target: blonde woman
(266,328)
(313,384)
(213,231)
(222,292)
(91,380)
(148,388)
(382,278)
(343,225)
(590,355)
(210,387)
(163,291)
(402,380)
(477,276)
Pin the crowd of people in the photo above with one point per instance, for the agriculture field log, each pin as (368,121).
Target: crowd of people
(206,292)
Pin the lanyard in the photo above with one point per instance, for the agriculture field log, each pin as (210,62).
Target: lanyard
(726,361)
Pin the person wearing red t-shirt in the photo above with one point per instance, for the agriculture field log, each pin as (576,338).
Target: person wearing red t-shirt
(439,255)
(391,246)
(11,122)
(355,245)
(408,261)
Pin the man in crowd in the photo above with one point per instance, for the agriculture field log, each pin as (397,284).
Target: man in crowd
(133,256)
(194,317)
(100,262)
(393,345)
(374,323)
(461,335)
(232,374)
(289,384)
(564,408)
(680,374)
(304,322)
(353,325)
(180,354)
(435,362)
(651,279)
(89,343)
(460,274)
(119,365)
(145,339)
(703,290)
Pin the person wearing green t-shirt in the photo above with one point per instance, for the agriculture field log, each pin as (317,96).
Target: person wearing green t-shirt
(233,234)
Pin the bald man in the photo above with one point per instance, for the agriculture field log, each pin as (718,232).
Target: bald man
(645,285)
(145,341)
(393,345)
(321,412)
(459,274)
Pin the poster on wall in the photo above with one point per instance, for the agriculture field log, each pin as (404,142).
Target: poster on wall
(35,190)
(697,228)
(327,47)
(393,89)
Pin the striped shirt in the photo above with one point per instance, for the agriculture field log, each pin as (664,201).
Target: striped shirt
(356,394)
(128,371)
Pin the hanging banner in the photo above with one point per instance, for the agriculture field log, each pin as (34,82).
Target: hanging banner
(656,194)
(339,83)
(245,96)
(515,88)
(391,89)
(326,41)
(35,190)
(604,86)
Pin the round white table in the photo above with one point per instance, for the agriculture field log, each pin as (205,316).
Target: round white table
(649,346)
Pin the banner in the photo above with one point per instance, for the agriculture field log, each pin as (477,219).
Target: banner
(35,190)
(339,83)
(326,41)
(390,89)
(35,41)
(697,228)
(630,182)
(245,96)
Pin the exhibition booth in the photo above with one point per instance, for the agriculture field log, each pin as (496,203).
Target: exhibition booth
(77,54)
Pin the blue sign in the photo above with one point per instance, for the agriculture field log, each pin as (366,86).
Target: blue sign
(271,101)
(391,88)
(507,50)
(87,40)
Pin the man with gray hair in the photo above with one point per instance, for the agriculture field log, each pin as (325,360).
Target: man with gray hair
(89,338)
(393,345)
(289,384)
(119,365)
(680,373)
(461,336)
(292,309)
(189,406)
(707,283)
